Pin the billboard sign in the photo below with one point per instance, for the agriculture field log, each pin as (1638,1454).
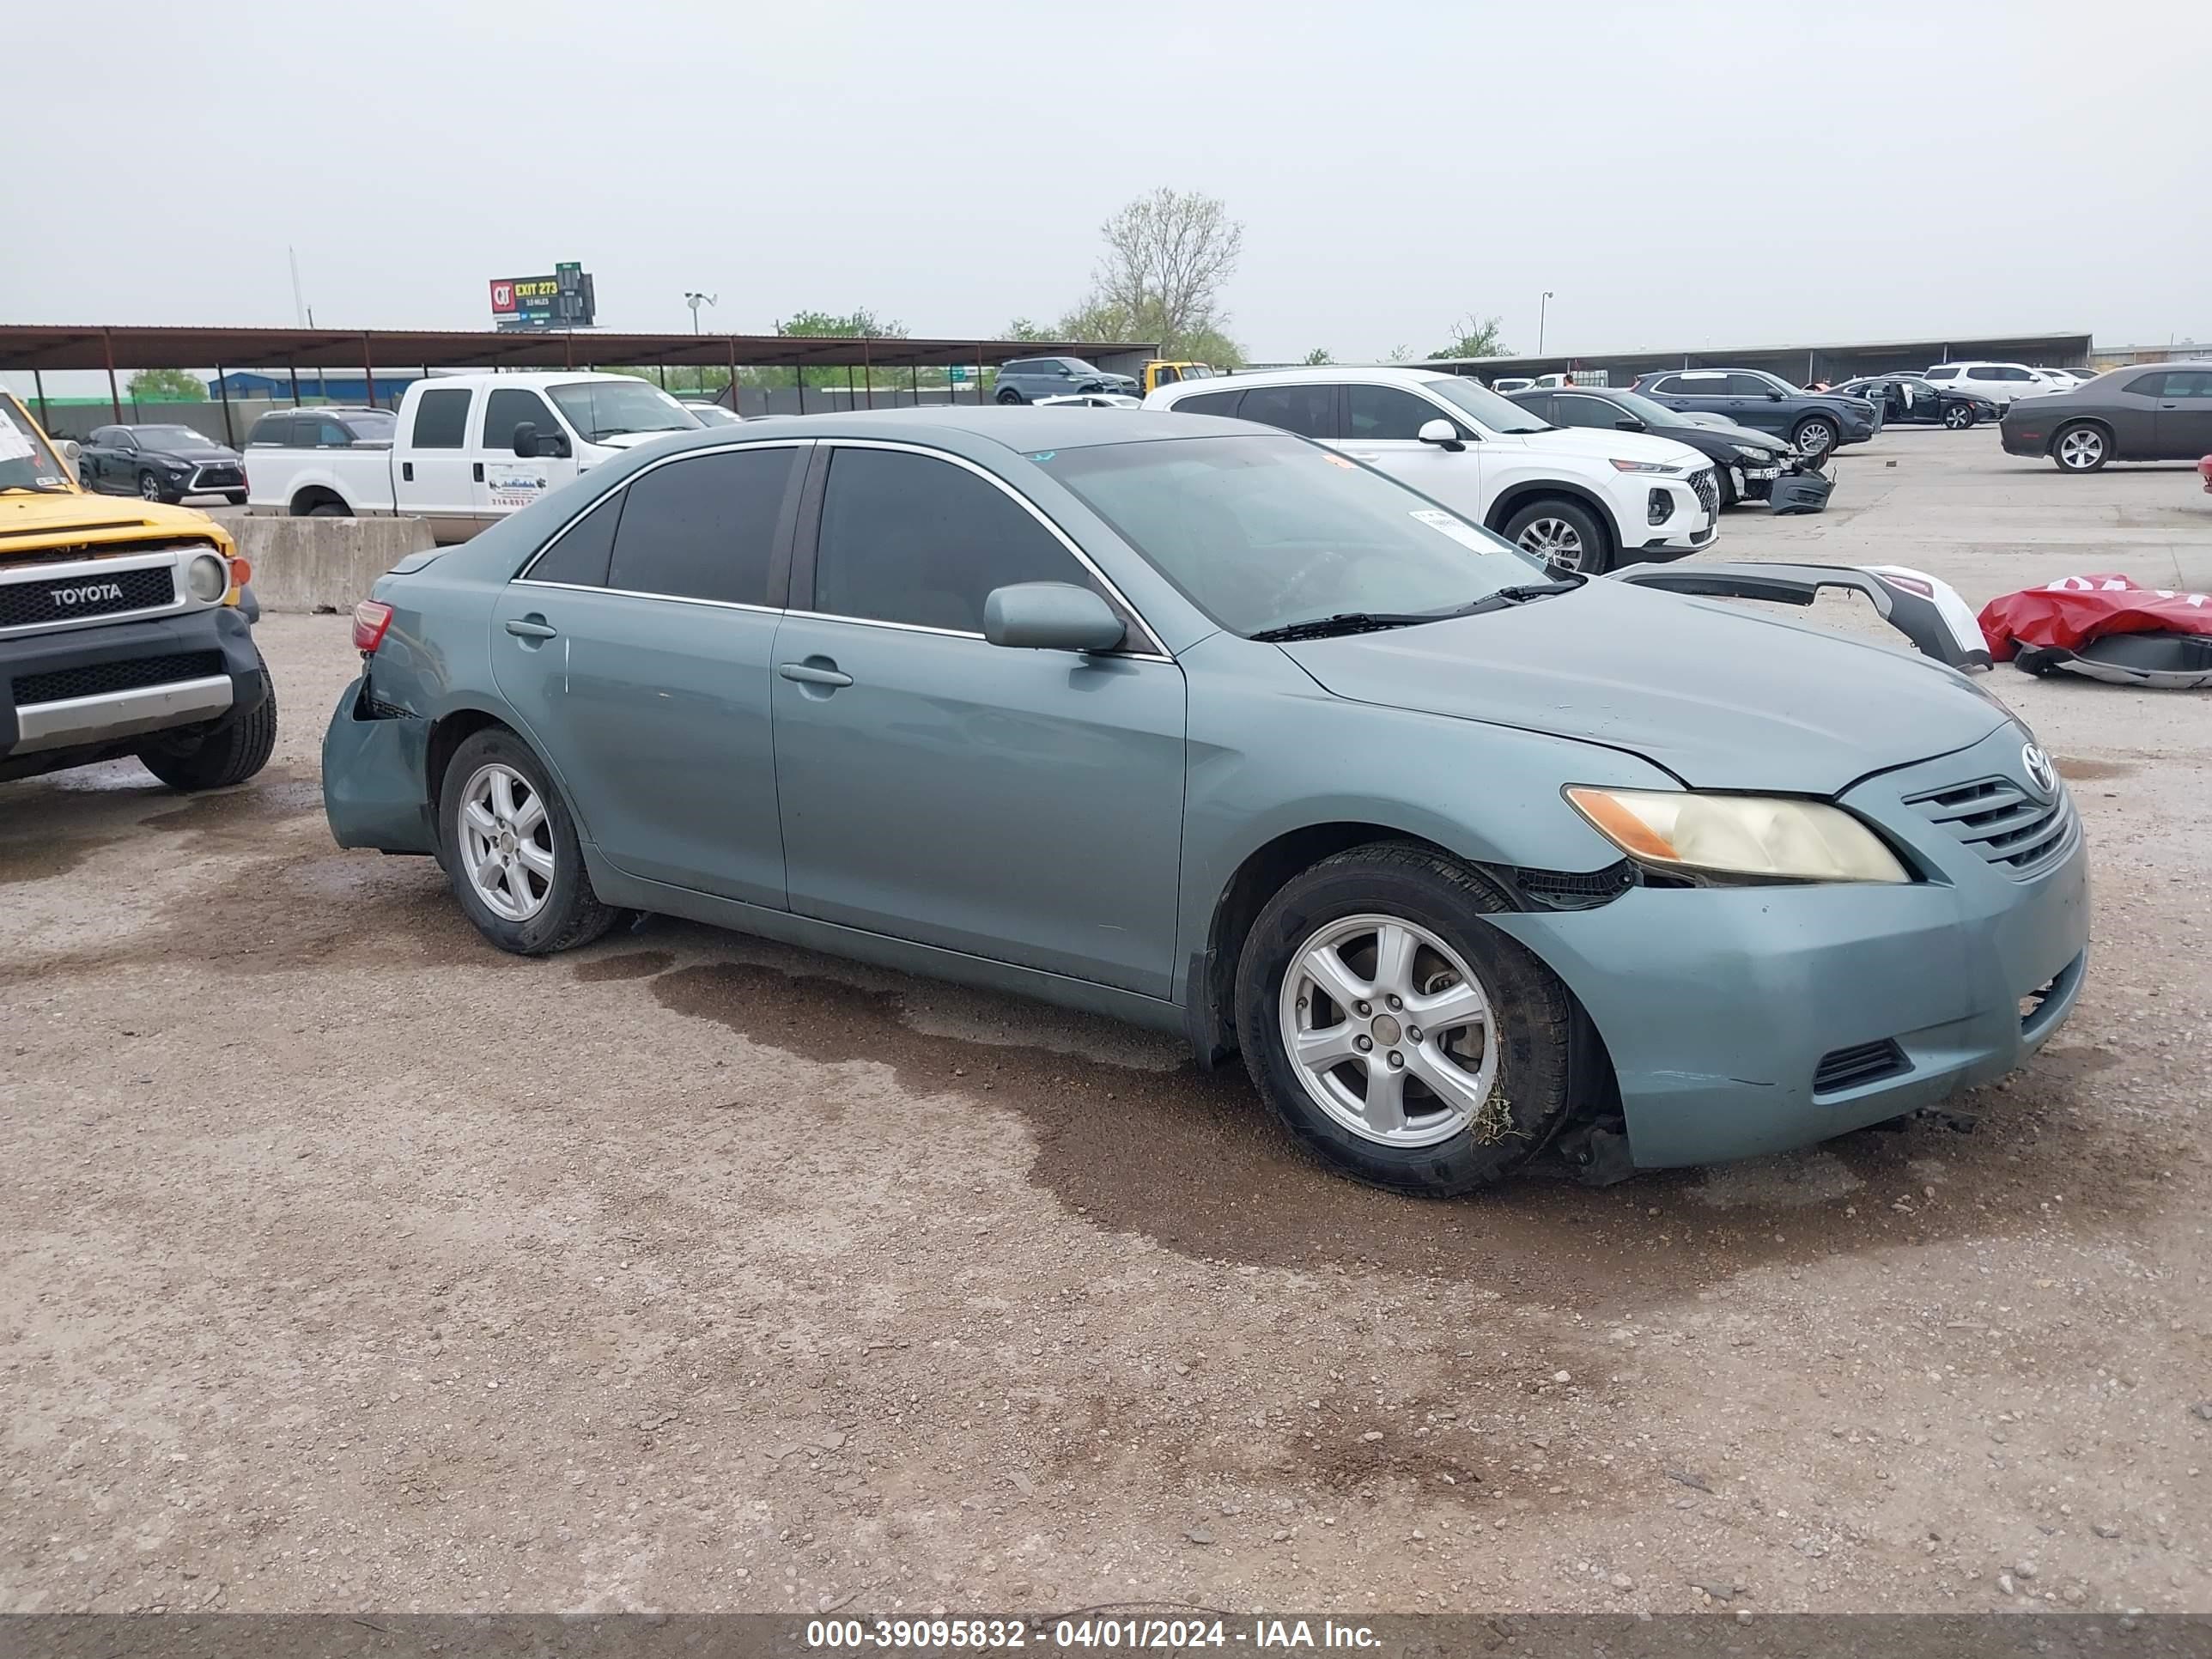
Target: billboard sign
(563,300)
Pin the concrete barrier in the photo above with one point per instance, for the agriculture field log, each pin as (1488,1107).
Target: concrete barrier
(321,564)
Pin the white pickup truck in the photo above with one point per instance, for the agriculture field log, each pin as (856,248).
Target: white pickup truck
(465,451)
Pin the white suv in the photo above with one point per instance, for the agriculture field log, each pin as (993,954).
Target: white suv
(2001,383)
(1582,499)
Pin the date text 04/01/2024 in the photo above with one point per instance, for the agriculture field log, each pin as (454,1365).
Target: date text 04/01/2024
(1085,1633)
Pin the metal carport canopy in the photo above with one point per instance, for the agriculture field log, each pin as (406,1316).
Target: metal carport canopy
(43,346)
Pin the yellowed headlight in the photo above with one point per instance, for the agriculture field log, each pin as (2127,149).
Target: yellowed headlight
(1739,835)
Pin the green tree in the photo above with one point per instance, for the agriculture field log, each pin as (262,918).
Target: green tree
(168,386)
(1473,337)
(1023,329)
(1317,357)
(1168,255)
(860,325)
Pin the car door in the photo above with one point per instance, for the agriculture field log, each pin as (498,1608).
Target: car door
(118,462)
(2184,421)
(637,648)
(1759,404)
(1021,805)
(1381,426)
(91,456)
(2132,411)
(502,480)
(433,468)
(1703,391)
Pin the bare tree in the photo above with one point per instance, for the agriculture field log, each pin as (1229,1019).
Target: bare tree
(1167,256)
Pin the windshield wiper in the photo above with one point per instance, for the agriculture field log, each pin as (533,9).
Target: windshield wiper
(1506,598)
(1347,621)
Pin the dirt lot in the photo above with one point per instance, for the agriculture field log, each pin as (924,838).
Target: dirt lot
(346,1264)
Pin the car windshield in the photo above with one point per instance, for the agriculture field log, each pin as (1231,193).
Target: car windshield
(1259,532)
(605,408)
(172,437)
(1498,414)
(1196,372)
(26,462)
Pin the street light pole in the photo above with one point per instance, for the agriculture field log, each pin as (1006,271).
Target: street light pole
(694,301)
(1543,307)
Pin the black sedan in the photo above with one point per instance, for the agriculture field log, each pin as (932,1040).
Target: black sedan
(2151,412)
(1746,462)
(160,464)
(1907,397)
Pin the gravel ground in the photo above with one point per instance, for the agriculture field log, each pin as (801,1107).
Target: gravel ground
(346,1264)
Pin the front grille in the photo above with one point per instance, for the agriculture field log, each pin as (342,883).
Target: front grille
(1997,819)
(133,675)
(28,604)
(224,475)
(1861,1063)
(1572,889)
(1709,492)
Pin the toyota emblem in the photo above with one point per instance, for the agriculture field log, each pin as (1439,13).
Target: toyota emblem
(2040,772)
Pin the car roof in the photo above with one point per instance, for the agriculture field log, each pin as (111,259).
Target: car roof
(1366,373)
(1021,428)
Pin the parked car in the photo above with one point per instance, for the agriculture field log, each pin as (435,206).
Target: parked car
(1746,463)
(1578,499)
(1909,399)
(1202,727)
(1027,379)
(123,630)
(1814,423)
(2077,373)
(1160,373)
(2002,384)
(1505,383)
(2157,412)
(465,451)
(1089,401)
(159,463)
(714,414)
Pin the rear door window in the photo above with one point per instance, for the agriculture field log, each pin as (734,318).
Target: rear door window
(1385,414)
(1308,409)
(581,553)
(705,527)
(441,419)
(1209,402)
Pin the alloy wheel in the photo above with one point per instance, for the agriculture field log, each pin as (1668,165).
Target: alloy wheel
(506,842)
(1390,1033)
(1555,542)
(1814,437)
(1958,417)
(2081,449)
(150,487)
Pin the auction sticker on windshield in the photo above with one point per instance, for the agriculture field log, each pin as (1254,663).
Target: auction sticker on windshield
(1458,529)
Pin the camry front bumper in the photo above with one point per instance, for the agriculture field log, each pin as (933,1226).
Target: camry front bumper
(1744,1020)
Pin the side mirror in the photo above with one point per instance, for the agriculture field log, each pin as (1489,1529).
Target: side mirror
(1773,396)
(526,438)
(1050,616)
(1440,433)
(1630,423)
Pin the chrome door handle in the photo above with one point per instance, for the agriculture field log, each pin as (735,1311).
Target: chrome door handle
(807,674)
(530,627)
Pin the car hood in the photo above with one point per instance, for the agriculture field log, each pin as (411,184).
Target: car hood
(26,521)
(632,439)
(1734,435)
(1722,698)
(201,454)
(1598,445)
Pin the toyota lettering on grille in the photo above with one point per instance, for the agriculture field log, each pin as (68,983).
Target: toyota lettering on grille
(86,593)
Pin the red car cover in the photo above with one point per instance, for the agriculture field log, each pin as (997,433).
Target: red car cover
(2104,628)
(2075,610)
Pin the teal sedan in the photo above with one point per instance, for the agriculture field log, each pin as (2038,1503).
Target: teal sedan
(1200,725)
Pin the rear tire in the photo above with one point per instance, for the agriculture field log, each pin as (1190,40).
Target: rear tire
(1502,1077)
(1008,395)
(229,755)
(1564,534)
(557,909)
(2083,447)
(329,510)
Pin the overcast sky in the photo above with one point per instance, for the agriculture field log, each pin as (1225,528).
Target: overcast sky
(1678,174)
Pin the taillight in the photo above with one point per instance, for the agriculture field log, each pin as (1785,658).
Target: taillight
(370,619)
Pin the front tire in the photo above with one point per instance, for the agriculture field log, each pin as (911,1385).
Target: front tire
(510,849)
(149,488)
(1814,435)
(1565,535)
(229,755)
(1457,1072)
(2082,447)
(235,497)
(1958,417)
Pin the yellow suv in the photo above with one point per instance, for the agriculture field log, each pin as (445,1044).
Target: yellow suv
(1160,373)
(125,629)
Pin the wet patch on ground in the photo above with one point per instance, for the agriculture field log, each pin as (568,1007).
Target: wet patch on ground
(2090,771)
(627,964)
(1194,1161)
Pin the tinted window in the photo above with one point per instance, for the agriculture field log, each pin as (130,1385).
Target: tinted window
(1748,385)
(1307,409)
(441,419)
(1381,413)
(329,435)
(1209,402)
(1699,386)
(1569,410)
(582,553)
(104,435)
(2188,383)
(272,429)
(371,426)
(908,538)
(1947,372)
(507,407)
(704,527)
